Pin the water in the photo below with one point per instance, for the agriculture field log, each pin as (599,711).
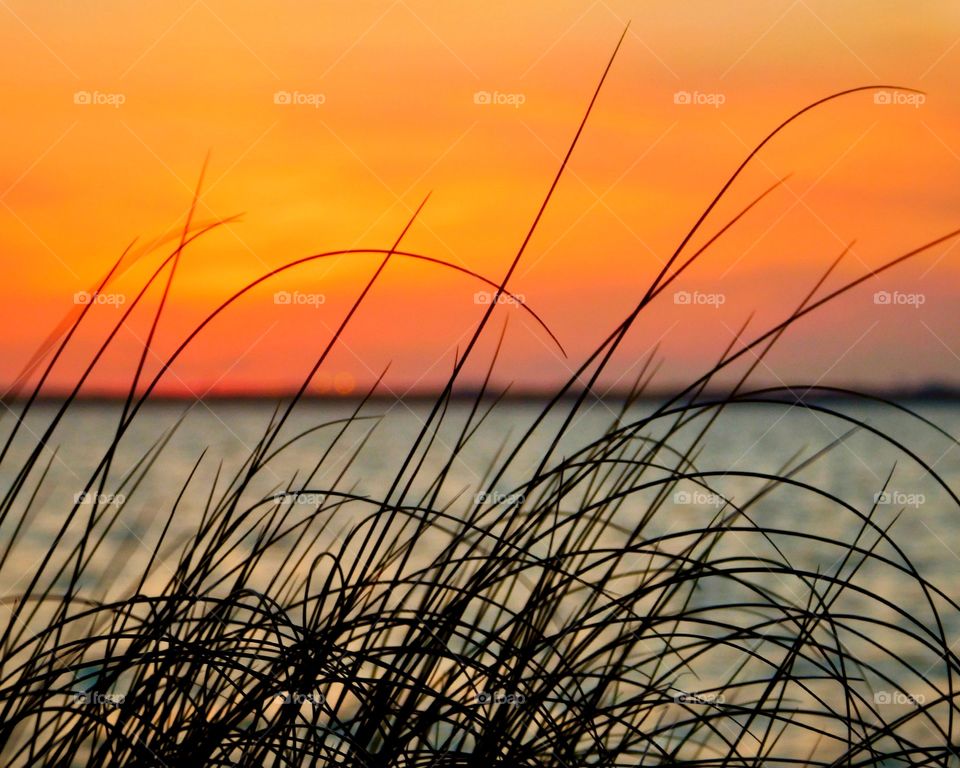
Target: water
(754,438)
(740,450)
(757,438)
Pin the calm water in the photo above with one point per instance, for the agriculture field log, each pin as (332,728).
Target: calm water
(757,439)
(748,438)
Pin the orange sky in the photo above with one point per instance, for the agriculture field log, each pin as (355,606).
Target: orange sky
(398,119)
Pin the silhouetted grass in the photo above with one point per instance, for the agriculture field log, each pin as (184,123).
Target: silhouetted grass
(578,621)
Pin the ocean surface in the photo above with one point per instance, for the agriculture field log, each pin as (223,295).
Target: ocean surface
(840,456)
(367,456)
(215,438)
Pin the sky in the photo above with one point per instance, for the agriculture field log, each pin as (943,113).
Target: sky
(325,125)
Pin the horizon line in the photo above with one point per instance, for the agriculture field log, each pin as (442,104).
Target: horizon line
(929,391)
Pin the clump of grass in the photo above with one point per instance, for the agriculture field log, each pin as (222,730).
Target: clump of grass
(581,619)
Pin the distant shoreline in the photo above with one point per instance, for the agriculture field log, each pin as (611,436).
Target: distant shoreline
(930,393)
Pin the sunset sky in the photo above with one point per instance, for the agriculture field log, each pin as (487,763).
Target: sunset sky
(111,107)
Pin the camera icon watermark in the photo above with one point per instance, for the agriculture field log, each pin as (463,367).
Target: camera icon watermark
(99,99)
(299,99)
(899,98)
(699,298)
(698,99)
(299,298)
(496,98)
(899,299)
(115,300)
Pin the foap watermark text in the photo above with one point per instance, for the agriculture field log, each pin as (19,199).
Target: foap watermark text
(700,498)
(299,99)
(497,498)
(899,499)
(698,99)
(899,299)
(900,98)
(497,98)
(99,99)
(699,299)
(299,298)
(115,300)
